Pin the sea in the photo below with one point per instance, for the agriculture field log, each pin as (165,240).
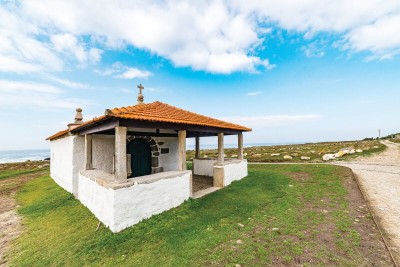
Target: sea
(8,156)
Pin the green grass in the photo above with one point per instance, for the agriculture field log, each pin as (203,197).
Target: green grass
(13,173)
(59,231)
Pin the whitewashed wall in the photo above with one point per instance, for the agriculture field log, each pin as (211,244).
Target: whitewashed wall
(98,199)
(61,161)
(66,155)
(121,208)
(103,150)
(168,161)
(204,166)
(141,201)
(234,170)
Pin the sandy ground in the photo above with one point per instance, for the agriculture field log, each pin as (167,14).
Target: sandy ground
(10,221)
(379,177)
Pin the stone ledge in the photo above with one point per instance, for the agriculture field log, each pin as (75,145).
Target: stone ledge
(226,159)
(107,180)
(229,161)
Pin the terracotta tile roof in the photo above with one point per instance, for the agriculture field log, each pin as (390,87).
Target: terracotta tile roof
(160,112)
(57,135)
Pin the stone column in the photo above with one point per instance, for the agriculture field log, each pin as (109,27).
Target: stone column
(121,174)
(221,147)
(182,150)
(88,152)
(240,146)
(197,154)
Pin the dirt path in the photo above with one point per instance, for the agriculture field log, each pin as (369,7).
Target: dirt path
(9,219)
(379,178)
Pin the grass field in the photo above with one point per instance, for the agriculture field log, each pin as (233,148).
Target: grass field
(314,151)
(13,173)
(278,215)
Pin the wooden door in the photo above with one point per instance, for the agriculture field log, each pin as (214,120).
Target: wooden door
(140,157)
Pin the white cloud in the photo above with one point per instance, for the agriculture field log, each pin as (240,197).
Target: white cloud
(68,83)
(26,46)
(132,73)
(27,95)
(69,44)
(381,37)
(369,25)
(119,70)
(254,93)
(20,51)
(313,50)
(208,36)
(213,36)
(17,86)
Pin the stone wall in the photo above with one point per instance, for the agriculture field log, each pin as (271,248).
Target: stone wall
(103,150)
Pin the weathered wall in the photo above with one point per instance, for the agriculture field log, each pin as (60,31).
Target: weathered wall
(204,166)
(168,161)
(103,150)
(61,161)
(234,170)
(78,155)
(121,208)
(141,201)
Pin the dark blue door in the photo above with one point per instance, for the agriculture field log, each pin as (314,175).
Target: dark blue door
(140,157)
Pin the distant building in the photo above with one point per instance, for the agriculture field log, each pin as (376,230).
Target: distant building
(130,163)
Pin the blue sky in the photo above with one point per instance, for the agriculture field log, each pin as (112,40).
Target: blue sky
(300,71)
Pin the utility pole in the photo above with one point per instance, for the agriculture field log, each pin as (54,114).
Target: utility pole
(379,134)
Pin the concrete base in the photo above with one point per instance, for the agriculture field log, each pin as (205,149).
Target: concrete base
(219,175)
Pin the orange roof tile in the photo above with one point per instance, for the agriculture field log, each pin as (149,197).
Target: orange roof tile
(161,112)
(57,135)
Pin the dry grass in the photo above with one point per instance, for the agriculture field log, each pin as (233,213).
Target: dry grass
(314,151)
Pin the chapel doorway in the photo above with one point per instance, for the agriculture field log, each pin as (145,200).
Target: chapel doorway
(140,157)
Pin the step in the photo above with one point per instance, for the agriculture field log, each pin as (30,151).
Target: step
(204,192)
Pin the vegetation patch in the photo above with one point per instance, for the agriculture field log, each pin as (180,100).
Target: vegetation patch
(311,153)
(269,218)
(8,170)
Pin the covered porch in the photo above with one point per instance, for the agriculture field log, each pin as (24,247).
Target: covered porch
(108,152)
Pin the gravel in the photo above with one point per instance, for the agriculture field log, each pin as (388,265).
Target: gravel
(379,177)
